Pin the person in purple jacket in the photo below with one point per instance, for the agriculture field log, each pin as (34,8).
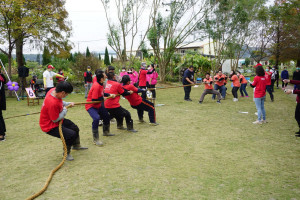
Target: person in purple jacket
(295,91)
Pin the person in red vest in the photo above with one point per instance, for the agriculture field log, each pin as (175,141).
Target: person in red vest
(53,111)
(88,80)
(138,103)
(208,84)
(268,75)
(113,106)
(98,110)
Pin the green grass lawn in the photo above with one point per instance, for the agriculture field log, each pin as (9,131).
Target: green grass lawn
(206,151)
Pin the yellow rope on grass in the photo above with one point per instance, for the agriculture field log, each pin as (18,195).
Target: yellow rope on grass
(56,168)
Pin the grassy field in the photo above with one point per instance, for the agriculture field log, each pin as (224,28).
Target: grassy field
(206,151)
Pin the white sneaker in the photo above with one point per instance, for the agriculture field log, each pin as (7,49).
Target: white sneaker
(256,113)
(257,122)
(264,121)
(235,99)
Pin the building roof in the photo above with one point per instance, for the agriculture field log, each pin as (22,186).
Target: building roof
(192,45)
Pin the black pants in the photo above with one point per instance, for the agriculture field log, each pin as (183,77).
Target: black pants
(284,84)
(119,113)
(146,106)
(269,89)
(234,92)
(272,84)
(187,91)
(153,91)
(70,132)
(2,124)
(297,114)
(144,94)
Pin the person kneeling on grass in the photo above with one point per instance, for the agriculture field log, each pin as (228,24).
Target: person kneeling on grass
(260,84)
(98,110)
(53,111)
(209,88)
(295,91)
(138,103)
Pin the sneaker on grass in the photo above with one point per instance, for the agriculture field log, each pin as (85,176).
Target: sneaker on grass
(257,122)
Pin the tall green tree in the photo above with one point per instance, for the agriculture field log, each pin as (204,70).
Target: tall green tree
(38,59)
(46,56)
(106,57)
(87,53)
(111,59)
(99,57)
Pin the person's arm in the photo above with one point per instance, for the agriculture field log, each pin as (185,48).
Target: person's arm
(61,115)
(58,75)
(85,79)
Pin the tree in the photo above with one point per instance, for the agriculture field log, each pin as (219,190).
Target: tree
(44,22)
(99,56)
(169,32)
(46,56)
(123,28)
(106,57)
(4,58)
(38,59)
(111,59)
(87,53)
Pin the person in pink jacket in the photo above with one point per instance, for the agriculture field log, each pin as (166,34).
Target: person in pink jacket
(134,76)
(123,72)
(152,79)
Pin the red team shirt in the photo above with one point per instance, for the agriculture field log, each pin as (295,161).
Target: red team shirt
(235,81)
(208,86)
(268,77)
(142,77)
(260,83)
(51,108)
(95,92)
(113,87)
(134,99)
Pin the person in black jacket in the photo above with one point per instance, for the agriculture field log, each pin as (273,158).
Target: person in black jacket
(23,73)
(2,106)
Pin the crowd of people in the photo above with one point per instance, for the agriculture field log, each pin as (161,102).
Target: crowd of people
(103,90)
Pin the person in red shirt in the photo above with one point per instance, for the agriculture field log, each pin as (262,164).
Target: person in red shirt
(220,82)
(295,91)
(138,103)
(243,82)
(236,84)
(268,75)
(208,84)
(53,111)
(260,82)
(98,110)
(113,106)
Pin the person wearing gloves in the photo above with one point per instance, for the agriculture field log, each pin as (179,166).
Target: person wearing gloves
(53,111)
(295,91)
(48,78)
(138,103)
(208,84)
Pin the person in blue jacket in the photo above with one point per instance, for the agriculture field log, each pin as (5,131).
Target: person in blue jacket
(284,75)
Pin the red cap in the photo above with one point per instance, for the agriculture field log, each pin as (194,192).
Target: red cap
(50,67)
(258,64)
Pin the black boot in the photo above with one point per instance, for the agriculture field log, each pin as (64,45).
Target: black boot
(69,157)
(120,125)
(130,127)
(106,131)
(77,146)
(141,120)
(96,138)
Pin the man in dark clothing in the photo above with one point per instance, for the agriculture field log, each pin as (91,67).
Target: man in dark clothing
(88,80)
(284,75)
(296,77)
(23,73)
(295,91)
(188,79)
(2,106)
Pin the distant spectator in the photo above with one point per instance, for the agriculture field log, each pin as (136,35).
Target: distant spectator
(88,80)
(123,72)
(268,75)
(48,78)
(296,77)
(284,75)
(60,79)
(23,72)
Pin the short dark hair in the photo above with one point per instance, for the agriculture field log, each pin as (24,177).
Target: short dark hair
(111,68)
(191,66)
(64,86)
(110,75)
(260,71)
(125,79)
(233,72)
(99,74)
(207,73)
